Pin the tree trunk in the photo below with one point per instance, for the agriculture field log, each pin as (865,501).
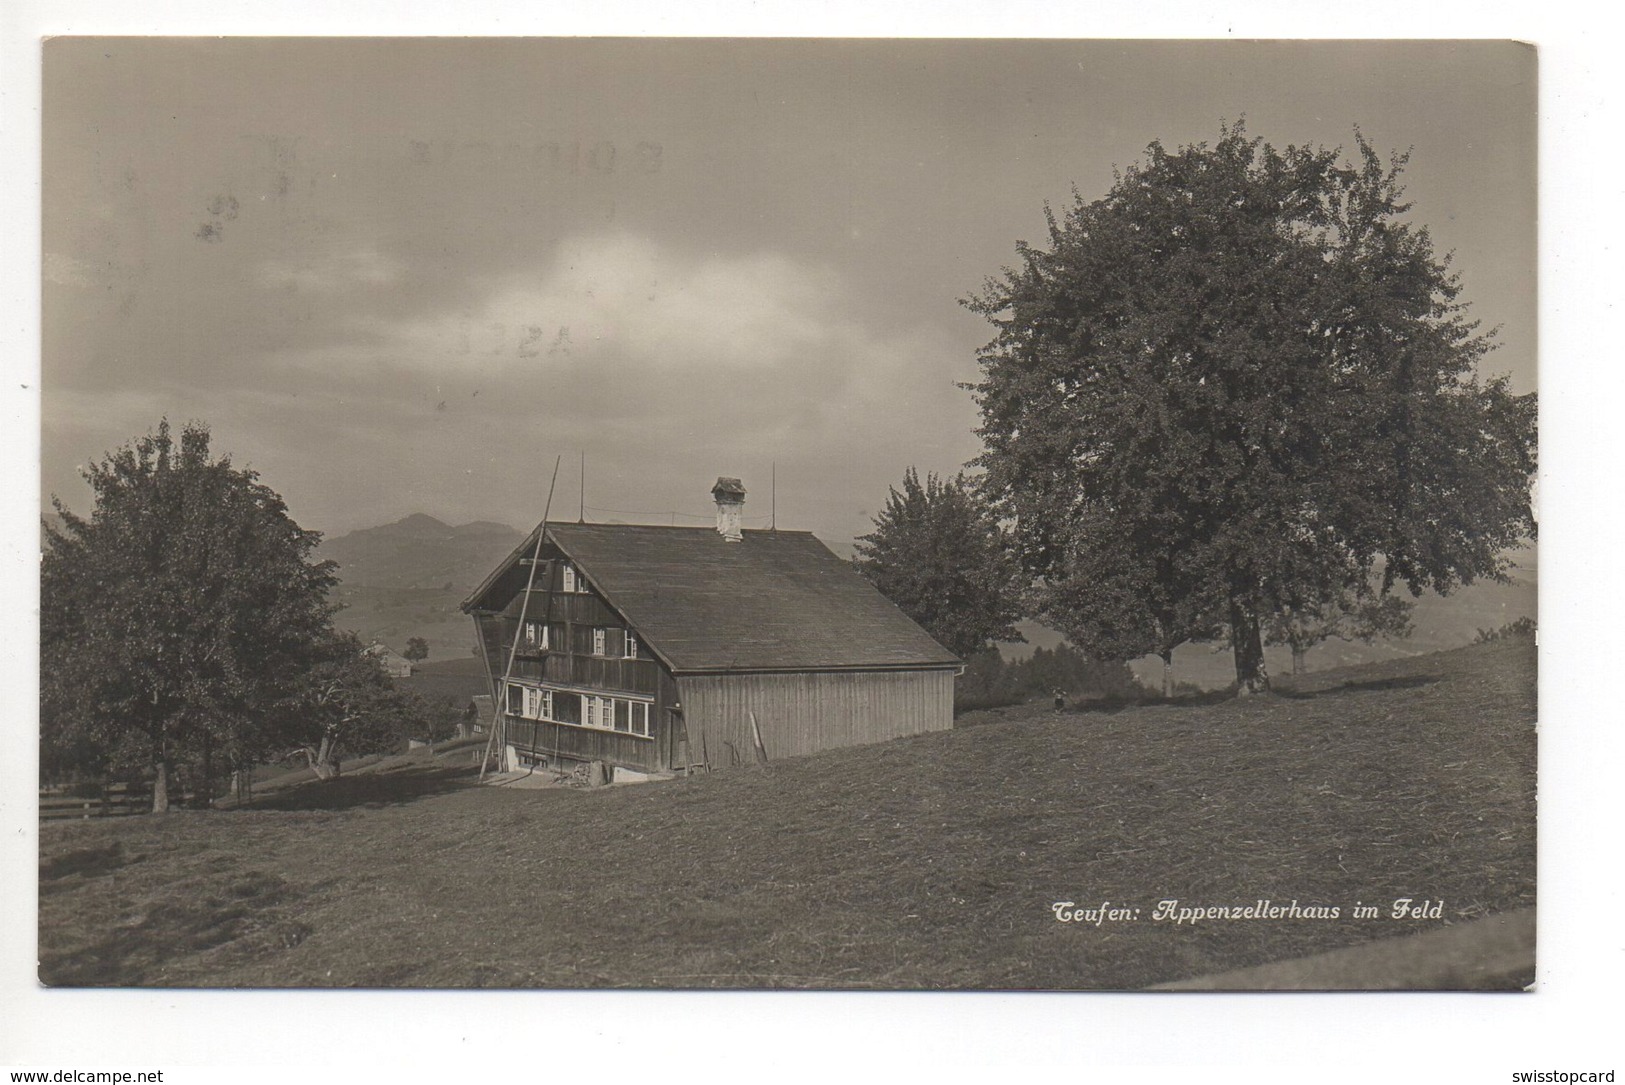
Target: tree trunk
(323,763)
(1245,632)
(160,787)
(1298,665)
(205,791)
(1167,675)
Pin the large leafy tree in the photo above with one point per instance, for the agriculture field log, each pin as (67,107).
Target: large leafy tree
(180,620)
(1238,384)
(937,551)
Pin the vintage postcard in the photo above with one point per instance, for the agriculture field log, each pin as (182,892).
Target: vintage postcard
(821,514)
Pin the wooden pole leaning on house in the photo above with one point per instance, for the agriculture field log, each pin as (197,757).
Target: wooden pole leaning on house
(756,738)
(498,730)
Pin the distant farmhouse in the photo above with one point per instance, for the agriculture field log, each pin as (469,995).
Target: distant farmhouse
(659,649)
(397,665)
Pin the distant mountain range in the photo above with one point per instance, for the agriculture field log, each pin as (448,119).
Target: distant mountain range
(409,579)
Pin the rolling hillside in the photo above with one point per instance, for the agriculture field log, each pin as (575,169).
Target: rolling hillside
(1440,623)
(934,861)
(408,579)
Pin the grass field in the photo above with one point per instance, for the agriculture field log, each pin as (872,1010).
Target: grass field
(929,862)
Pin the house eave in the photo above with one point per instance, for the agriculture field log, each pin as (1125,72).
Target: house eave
(858,668)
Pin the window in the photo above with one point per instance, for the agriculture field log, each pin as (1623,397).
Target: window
(598,637)
(570,578)
(630,649)
(619,714)
(566,707)
(529,702)
(536,635)
(538,704)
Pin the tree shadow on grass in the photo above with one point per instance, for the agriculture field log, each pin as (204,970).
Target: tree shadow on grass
(391,787)
(1110,706)
(244,912)
(1408,681)
(1089,705)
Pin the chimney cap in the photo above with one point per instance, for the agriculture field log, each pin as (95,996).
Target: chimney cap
(728,487)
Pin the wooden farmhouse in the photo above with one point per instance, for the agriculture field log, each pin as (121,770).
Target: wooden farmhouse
(395,664)
(659,649)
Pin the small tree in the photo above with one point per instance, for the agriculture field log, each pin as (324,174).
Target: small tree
(417,649)
(985,683)
(939,554)
(348,702)
(1067,670)
(1346,618)
(1521,628)
(179,618)
(1150,604)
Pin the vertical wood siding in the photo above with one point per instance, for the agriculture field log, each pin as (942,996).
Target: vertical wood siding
(578,608)
(804,713)
(585,744)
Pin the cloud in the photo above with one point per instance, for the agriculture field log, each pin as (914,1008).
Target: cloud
(624,298)
(616,331)
(665,367)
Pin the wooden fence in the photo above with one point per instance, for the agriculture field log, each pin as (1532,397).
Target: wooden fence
(117,800)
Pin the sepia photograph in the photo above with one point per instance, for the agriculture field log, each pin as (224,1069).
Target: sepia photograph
(825,514)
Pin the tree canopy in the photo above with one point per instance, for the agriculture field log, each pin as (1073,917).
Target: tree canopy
(937,552)
(181,619)
(1238,384)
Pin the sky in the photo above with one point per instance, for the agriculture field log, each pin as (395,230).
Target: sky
(405,276)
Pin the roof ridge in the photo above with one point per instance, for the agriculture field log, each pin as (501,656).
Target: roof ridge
(684,527)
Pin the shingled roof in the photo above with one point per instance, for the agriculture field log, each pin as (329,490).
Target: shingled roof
(780,600)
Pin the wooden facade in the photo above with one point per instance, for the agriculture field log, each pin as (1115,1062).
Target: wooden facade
(590,681)
(567,663)
(802,713)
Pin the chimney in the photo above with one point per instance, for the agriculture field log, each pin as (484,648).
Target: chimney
(730,495)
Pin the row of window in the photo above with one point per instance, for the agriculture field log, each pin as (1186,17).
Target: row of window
(618,643)
(623,714)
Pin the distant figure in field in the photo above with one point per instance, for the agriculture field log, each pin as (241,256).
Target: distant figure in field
(1060,699)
